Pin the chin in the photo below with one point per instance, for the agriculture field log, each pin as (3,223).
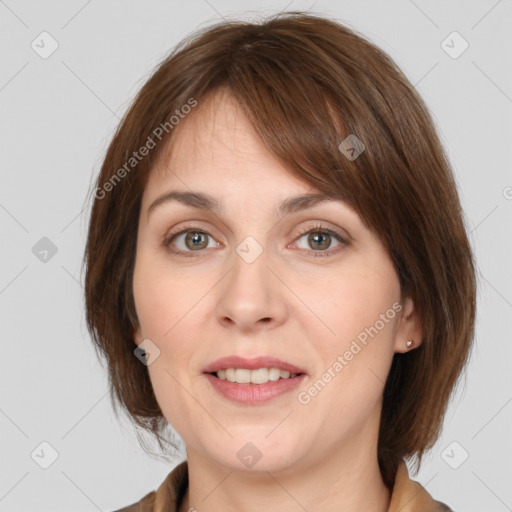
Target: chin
(250,453)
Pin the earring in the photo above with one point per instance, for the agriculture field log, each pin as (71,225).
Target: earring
(409,343)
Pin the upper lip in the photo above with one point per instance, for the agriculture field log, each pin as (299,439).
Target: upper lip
(251,364)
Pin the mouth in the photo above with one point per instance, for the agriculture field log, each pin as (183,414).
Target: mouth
(257,370)
(258,376)
(253,381)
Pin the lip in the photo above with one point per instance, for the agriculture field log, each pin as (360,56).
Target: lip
(253,394)
(252,364)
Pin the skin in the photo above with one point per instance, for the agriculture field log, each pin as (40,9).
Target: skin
(287,303)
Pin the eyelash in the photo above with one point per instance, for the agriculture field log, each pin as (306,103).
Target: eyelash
(319,228)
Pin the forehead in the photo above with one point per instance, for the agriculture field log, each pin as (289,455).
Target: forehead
(216,147)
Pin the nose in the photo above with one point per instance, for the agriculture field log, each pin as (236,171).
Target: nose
(252,297)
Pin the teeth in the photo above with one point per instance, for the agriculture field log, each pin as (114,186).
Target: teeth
(259,376)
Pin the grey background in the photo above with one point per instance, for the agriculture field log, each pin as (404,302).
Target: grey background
(57,117)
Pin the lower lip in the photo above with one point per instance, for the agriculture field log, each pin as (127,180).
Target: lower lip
(252,394)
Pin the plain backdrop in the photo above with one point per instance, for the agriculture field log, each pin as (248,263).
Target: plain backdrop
(58,113)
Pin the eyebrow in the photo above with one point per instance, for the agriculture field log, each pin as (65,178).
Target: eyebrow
(205,201)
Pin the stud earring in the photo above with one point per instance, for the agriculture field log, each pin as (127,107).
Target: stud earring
(409,343)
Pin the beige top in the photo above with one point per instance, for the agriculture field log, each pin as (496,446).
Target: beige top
(407,496)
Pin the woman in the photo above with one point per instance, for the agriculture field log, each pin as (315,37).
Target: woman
(277,267)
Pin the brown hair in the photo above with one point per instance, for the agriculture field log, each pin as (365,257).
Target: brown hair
(306,83)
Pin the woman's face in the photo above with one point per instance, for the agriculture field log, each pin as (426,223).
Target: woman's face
(309,286)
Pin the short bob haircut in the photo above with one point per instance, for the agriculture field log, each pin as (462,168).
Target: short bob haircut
(306,83)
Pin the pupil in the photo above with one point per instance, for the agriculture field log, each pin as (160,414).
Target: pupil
(315,238)
(194,238)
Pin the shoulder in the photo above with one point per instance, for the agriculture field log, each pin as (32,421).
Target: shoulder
(410,496)
(167,497)
(441,507)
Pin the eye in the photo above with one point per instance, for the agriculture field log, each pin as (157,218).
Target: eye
(192,240)
(189,240)
(320,239)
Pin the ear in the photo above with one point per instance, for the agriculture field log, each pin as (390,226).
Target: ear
(137,336)
(409,328)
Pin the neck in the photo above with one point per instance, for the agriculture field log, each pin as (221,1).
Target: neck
(345,481)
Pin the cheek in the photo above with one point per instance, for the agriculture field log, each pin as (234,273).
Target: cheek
(179,410)
(361,301)
(168,308)
(360,316)
(161,297)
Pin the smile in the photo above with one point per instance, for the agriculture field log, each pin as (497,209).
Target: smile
(249,393)
(258,376)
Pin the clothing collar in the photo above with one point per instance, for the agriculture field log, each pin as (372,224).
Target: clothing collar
(407,495)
